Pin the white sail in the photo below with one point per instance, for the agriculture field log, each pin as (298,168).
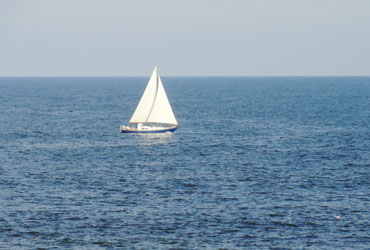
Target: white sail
(154,106)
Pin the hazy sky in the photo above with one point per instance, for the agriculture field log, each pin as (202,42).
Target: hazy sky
(184,38)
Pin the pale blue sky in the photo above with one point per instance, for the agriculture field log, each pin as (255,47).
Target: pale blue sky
(184,38)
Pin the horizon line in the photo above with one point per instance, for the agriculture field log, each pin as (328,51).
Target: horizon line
(133,76)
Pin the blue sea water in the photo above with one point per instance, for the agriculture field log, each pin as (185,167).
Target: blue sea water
(257,163)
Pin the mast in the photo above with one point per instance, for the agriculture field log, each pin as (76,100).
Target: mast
(155,93)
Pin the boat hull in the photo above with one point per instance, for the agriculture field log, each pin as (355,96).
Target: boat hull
(135,131)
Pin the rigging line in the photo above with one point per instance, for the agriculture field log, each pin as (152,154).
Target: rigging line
(155,96)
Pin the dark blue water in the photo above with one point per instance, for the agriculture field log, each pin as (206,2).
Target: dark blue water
(279,163)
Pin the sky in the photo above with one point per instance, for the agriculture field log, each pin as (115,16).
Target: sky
(185,38)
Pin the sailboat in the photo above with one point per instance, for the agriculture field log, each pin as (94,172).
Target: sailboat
(153,114)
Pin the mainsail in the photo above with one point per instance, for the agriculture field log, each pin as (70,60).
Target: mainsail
(154,106)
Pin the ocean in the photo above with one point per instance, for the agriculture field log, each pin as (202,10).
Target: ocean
(257,163)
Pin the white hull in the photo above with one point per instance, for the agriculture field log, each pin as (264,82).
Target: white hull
(147,129)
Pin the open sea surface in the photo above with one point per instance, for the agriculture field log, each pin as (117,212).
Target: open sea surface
(257,163)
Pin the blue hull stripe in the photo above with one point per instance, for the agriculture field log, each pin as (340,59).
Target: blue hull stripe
(147,132)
